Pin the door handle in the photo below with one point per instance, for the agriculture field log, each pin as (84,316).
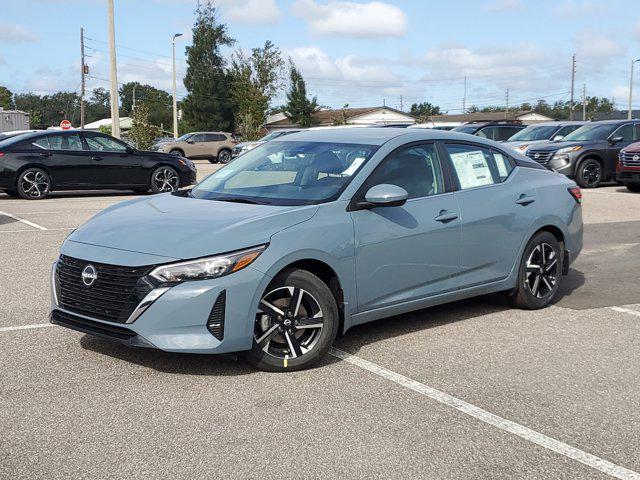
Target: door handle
(445,216)
(97,159)
(45,154)
(525,200)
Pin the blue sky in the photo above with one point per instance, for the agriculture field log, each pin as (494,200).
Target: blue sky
(356,52)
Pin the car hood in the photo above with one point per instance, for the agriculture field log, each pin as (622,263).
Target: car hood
(553,146)
(633,148)
(183,228)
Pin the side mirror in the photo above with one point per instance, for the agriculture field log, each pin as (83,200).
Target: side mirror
(130,149)
(385,195)
(191,142)
(557,138)
(613,140)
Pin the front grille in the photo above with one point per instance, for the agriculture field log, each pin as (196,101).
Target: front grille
(87,326)
(215,323)
(114,295)
(630,159)
(541,156)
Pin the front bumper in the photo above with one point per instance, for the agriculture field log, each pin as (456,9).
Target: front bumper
(188,178)
(628,176)
(177,320)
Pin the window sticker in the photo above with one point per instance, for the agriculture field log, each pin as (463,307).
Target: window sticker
(354,166)
(501,163)
(472,169)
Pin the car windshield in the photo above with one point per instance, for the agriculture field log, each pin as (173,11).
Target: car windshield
(534,132)
(271,136)
(591,132)
(287,173)
(466,129)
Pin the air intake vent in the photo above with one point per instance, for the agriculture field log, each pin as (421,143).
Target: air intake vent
(215,324)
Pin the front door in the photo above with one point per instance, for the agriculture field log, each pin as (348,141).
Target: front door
(629,133)
(411,251)
(497,210)
(114,164)
(70,163)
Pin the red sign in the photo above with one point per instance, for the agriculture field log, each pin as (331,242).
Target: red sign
(65,125)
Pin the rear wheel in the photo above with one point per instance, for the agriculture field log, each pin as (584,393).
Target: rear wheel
(164,179)
(633,187)
(589,173)
(296,323)
(540,272)
(34,184)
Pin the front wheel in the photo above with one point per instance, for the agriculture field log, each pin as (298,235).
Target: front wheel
(224,156)
(633,187)
(164,179)
(589,173)
(540,272)
(296,323)
(34,184)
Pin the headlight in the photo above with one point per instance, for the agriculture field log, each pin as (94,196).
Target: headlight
(206,268)
(566,150)
(522,148)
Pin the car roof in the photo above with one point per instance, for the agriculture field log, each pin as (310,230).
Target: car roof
(379,136)
(198,133)
(558,123)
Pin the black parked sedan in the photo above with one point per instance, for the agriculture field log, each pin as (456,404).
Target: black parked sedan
(34,164)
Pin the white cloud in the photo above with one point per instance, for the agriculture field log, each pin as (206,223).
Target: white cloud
(257,12)
(621,94)
(569,9)
(500,6)
(638,31)
(10,33)
(349,19)
(595,50)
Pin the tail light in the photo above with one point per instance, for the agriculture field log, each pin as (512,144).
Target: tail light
(1,154)
(576,193)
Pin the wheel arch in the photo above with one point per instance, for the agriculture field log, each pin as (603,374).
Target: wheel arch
(47,170)
(177,149)
(588,155)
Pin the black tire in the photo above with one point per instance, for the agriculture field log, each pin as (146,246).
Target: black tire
(12,193)
(633,187)
(590,173)
(177,151)
(33,184)
(140,190)
(164,179)
(213,160)
(547,268)
(224,156)
(312,325)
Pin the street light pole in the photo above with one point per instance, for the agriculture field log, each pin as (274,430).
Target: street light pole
(629,113)
(115,114)
(175,101)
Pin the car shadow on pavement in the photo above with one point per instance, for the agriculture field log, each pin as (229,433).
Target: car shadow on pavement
(165,362)
(574,280)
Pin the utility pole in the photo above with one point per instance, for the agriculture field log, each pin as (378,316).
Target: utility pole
(133,103)
(82,79)
(175,100)
(506,113)
(584,101)
(630,112)
(115,114)
(464,97)
(573,81)
(401,104)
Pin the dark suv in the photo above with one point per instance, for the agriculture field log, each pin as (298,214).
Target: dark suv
(498,131)
(589,154)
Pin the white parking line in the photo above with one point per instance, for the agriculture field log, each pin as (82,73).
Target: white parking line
(26,222)
(626,310)
(26,327)
(32,231)
(492,419)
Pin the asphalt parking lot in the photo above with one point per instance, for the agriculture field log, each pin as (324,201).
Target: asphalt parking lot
(473,389)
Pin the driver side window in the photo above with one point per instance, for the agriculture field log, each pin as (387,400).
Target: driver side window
(104,144)
(416,169)
(626,132)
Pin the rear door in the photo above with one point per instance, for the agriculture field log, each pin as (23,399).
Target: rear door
(411,251)
(497,209)
(114,164)
(68,160)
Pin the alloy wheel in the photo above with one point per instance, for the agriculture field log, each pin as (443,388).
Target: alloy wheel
(166,180)
(591,173)
(35,184)
(288,323)
(541,270)
(224,156)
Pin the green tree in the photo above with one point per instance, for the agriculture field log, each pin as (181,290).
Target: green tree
(6,98)
(424,110)
(142,132)
(255,80)
(299,108)
(49,110)
(98,106)
(342,118)
(157,101)
(208,104)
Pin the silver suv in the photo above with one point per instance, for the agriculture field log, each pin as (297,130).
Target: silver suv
(212,146)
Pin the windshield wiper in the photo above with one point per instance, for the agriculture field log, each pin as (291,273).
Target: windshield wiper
(241,200)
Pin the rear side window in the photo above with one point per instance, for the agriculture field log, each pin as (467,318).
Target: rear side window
(504,133)
(487,132)
(416,169)
(477,166)
(214,137)
(65,142)
(42,142)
